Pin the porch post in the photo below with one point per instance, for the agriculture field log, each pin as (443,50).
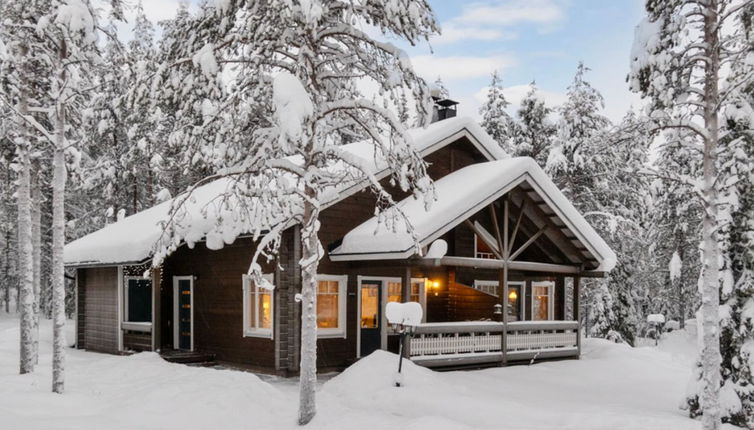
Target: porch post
(405,298)
(504,298)
(406,285)
(577,311)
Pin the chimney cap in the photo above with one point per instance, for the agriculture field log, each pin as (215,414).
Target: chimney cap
(444,102)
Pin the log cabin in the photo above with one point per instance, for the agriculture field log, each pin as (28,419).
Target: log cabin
(500,235)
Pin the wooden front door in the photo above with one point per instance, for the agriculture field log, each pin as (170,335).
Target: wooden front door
(371,316)
(183,313)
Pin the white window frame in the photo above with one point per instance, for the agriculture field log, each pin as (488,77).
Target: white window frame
(125,301)
(340,331)
(257,332)
(422,295)
(550,296)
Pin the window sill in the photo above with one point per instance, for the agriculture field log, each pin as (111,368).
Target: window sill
(145,327)
(335,334)
(258,333)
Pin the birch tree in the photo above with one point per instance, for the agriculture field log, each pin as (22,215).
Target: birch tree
(60,36)
(18,41)
(681,61)
(305,60)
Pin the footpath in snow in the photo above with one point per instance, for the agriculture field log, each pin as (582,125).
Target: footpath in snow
(612,387)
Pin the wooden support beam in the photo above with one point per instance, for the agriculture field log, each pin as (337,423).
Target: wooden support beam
(531,240)
(493,215)
(405,298)
(549,249)
(485,263)
(555,233)
(518,224)
(406,285)
(481,235)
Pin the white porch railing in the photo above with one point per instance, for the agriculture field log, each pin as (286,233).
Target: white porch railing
(462,343)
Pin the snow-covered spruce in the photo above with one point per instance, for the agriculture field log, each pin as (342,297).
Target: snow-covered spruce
(532,131)
(495,119)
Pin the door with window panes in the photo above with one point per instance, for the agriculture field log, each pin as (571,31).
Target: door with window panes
(371,316)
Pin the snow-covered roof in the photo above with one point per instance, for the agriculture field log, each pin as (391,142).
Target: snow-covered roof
(133,238)
(459,195)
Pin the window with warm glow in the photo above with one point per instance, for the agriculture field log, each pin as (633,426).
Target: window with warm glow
(331,305)
(515,297)
(393,291)
(416,290)
(258,308)
(541,301)
(370,304)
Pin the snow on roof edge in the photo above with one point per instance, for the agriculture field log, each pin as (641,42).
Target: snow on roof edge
(132,238)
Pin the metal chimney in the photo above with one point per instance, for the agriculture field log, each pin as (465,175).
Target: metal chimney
(444,107)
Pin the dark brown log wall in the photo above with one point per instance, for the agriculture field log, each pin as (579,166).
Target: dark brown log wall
(218,303)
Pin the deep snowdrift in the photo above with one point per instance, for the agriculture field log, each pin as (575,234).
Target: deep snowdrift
(612,387)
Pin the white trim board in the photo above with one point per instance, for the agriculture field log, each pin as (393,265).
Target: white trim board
(550,299)
(119,302)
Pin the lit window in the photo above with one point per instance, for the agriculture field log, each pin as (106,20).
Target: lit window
(514,302)
(258,308)
(416,290)
(541,301)
(331,305)
(482,250)
(138,300)
(393,291)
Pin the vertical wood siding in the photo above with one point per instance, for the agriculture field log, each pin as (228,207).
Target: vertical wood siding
(98,296)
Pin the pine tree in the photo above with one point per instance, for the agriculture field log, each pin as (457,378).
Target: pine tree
(533,132)
(495,119)
(679,62)
(304,59)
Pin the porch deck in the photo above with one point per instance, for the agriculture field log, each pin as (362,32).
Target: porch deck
(479,342)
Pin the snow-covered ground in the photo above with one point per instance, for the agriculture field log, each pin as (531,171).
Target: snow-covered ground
(612,387)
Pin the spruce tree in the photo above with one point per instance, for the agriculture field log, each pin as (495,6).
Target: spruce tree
(533,131)
(495,119)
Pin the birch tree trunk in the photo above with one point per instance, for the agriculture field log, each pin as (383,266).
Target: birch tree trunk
(25,269)
(36,238)
(710,292)
(309,262)
(58,232)
(58,240)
